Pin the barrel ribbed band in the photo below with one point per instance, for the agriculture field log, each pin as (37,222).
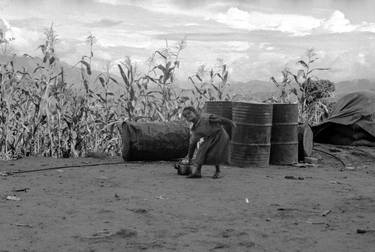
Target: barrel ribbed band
(285,124)
(284,143)
(251,144)
(254,124)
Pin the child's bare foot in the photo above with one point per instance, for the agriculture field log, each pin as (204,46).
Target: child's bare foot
(216,175)
(194,175)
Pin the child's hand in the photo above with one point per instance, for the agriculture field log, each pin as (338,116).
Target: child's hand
(186,161)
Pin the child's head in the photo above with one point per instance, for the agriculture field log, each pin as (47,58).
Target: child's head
(190,114)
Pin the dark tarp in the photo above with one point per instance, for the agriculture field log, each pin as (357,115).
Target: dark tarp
(352,121)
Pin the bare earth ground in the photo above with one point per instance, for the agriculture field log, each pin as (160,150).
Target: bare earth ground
(146,206)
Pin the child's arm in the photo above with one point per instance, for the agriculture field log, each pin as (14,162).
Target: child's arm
(192,146)
(222,120)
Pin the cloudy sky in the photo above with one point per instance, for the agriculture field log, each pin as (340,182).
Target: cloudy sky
(257,38)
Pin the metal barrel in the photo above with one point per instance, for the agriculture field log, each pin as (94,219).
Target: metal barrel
(305,141)
(221,108)
(251,139)
(284,138)
(150,141)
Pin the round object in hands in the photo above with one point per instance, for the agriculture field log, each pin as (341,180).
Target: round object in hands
(183,169)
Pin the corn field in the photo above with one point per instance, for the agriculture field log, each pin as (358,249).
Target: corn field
(41,115)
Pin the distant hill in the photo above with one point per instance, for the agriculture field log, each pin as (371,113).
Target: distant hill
(262,90)
(345,87)
(254,89)
(72,74)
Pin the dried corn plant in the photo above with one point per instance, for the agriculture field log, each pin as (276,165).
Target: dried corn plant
(210,84)
(306,88)
(135,97)
(287,91)
(32,105)
(319,110)
(165,99)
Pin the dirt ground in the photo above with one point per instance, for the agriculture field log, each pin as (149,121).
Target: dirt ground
(148,207)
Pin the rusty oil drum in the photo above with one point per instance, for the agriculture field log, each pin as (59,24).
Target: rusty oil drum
(221,108)
(284,139)
(305,141)
(251,139)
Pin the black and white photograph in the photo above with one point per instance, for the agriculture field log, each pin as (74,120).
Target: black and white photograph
(187,125)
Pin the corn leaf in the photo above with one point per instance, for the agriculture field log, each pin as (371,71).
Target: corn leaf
(123,75)
(102,81)
(114,80)
(87,65)
(303,63)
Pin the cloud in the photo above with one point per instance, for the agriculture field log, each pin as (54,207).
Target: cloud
(231,35)
(4,25)
(104,23)
(295,24)
(298,25)
(30,22)
(117,38)
(103,55)
(256,38)
(237,46)
(260,65)
(113,2)
(5,32)
(354,64)
(191,24)
(25,40)
(338,23)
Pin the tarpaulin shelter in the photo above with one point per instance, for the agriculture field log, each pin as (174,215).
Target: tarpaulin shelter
(352,121)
